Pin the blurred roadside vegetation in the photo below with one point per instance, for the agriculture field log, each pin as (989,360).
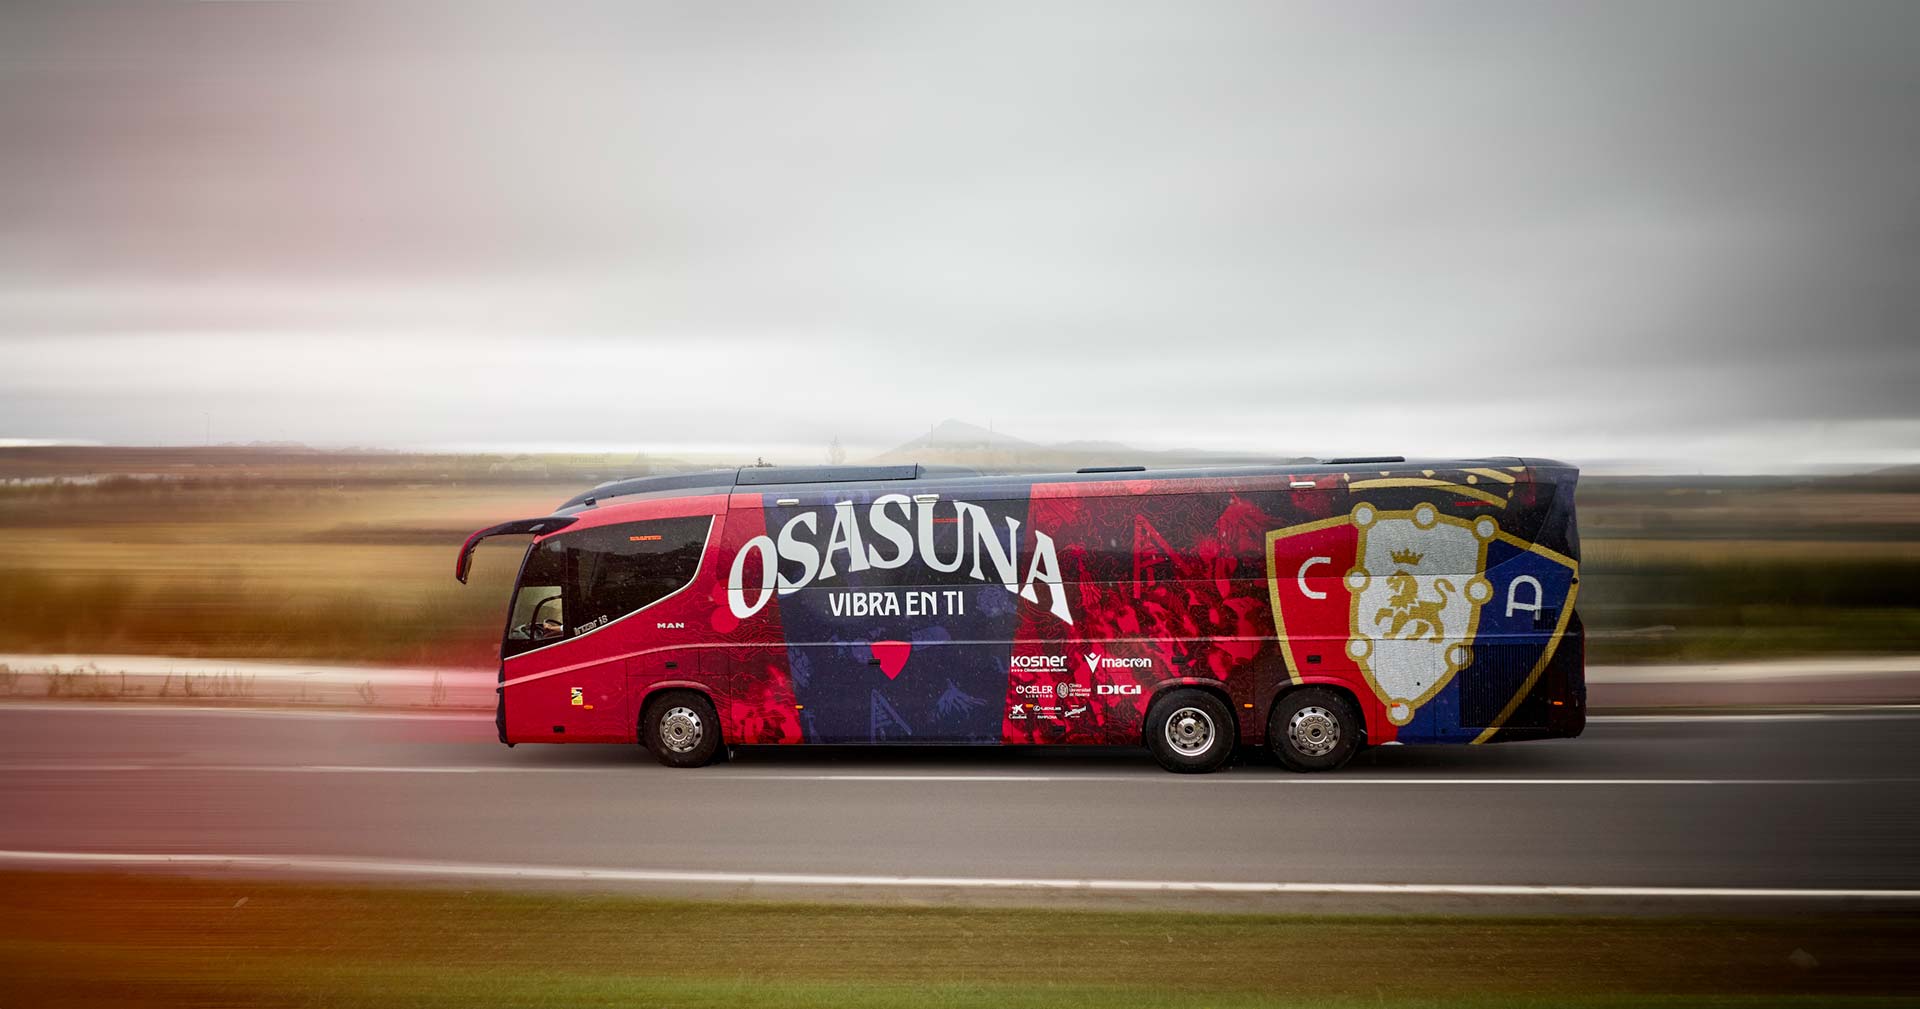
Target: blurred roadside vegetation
(282,553)
(1703,568)
(267,553)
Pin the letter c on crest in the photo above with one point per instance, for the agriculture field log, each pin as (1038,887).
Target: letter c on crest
(1301,576)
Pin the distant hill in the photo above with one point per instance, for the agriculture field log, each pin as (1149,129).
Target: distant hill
(958,443)
(960,436)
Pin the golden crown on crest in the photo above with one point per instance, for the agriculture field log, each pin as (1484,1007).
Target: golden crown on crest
(1408,557)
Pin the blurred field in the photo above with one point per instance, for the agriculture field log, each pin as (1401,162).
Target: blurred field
(268,553)
(245,553)
(86,940)
(1747,567)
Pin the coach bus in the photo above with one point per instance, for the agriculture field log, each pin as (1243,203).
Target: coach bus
(1314,609)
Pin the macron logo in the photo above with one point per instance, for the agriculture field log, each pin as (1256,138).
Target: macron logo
(1097,662)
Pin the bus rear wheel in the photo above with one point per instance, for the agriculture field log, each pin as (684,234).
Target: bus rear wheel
(1190,731)
(680,728)
(1315,729)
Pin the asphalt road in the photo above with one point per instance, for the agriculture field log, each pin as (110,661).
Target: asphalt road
(1752,805)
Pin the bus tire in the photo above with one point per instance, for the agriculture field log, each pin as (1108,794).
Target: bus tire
(1190,731)
(680,728)
(1315,729)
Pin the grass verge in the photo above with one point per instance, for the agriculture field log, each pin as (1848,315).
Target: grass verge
(117,940)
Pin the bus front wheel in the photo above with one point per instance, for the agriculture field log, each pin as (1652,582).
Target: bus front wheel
(1315,729)
(681,729)
(1190,731)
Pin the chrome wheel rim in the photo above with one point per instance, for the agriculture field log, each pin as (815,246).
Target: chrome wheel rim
(1190,732)
(1314,731)
(680,730)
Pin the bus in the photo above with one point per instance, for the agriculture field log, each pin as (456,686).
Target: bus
(1313,609)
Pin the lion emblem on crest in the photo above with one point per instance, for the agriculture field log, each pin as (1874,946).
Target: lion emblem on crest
(1411,616)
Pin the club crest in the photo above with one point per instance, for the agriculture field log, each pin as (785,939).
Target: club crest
(1417,589)
(1401,597)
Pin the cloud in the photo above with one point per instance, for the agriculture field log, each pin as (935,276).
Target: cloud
(1619,230)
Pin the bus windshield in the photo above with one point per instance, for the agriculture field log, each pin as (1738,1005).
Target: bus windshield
(539,607)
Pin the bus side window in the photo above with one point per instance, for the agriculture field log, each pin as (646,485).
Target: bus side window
(615,570)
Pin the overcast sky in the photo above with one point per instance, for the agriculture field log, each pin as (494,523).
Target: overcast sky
(1687,233)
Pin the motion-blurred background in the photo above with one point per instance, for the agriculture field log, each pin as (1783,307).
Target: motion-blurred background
(359,278)
(276,552)
(293,296)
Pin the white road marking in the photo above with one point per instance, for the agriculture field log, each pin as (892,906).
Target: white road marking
(480,870)
(1145,777)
